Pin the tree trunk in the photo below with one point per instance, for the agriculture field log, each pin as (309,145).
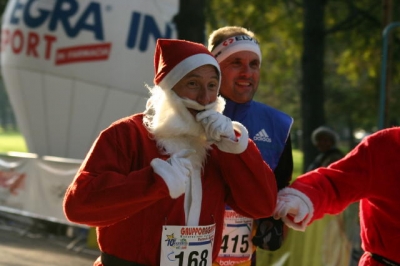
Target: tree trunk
(190,21)
(312,92)
(387,7)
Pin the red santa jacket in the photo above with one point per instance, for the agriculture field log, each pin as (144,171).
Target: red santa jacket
(117,191)
(370,174)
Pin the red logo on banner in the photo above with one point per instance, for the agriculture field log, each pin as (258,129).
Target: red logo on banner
(12,180)
(83,53)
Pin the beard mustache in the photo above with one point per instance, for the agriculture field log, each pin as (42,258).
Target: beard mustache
(199,107)
(174,128)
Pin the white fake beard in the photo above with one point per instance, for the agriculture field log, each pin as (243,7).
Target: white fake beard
(174,127)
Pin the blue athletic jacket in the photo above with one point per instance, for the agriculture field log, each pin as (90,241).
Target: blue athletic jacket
(268,127)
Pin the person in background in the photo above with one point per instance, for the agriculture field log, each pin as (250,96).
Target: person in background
(239,55)
(368,174)
(339,230)
(155,184)
(325,140)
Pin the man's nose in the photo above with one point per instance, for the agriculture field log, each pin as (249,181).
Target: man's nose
(246,70)
(204,96)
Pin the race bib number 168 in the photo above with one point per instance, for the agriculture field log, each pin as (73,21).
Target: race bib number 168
(187,245)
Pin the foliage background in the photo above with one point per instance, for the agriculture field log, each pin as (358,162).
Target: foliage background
(352,58)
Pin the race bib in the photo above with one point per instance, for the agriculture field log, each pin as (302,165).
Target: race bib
(187,245)
(236,246)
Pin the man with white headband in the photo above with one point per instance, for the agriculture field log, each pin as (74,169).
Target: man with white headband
(239,55)
(155,184)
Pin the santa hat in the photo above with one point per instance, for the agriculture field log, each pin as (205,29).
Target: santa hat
(173,59)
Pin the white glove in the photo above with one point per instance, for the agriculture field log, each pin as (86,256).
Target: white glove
(216,125)
(176,171)
(292,202)
(238,146)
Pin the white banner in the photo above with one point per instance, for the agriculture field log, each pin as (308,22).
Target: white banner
(13,173)
(35,186)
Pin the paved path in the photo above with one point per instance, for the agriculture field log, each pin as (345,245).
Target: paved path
(20,248)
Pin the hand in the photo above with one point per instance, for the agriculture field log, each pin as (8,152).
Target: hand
(181,163)
(175,171)
(269,234)
(216,125)
(295,204)
(291,205)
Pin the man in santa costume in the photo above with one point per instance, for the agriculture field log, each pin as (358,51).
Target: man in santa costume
(155,184)
(370,174)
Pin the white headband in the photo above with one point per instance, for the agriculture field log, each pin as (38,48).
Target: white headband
(236,44)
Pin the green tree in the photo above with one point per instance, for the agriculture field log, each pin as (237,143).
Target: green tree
(321,60)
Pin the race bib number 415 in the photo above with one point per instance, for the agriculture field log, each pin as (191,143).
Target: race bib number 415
(236,246)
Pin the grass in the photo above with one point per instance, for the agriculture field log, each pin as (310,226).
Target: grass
(298,163)
(14,141)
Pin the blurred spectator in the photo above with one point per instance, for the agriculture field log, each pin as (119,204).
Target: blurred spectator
(325,140)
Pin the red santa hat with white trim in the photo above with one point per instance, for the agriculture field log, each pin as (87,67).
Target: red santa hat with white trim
(173,59)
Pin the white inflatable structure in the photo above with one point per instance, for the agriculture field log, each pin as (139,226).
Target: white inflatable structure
(71,67)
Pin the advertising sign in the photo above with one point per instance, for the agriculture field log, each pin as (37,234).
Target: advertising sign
(72,67)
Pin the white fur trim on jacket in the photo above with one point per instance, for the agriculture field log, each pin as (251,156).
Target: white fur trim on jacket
(193,199)
(238,146)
